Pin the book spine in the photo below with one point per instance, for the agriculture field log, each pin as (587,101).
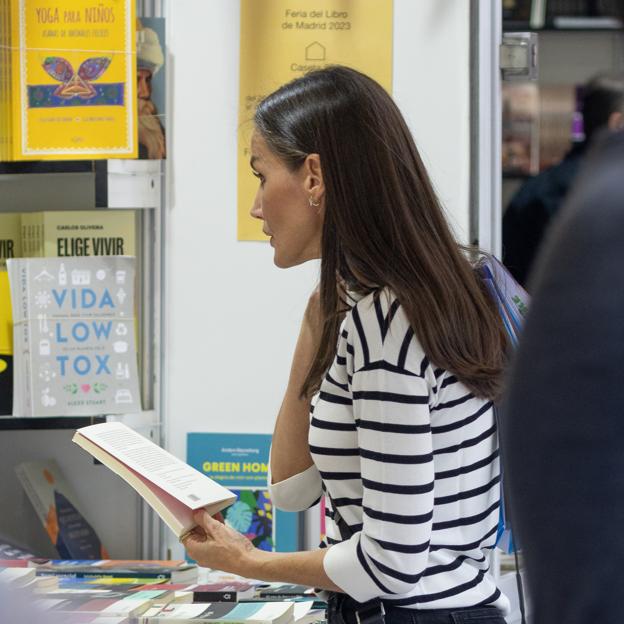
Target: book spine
(38,228)
(18,276)
(8,82)
(28,346)
(4,42)
(215,596)
(14,86)
(24,235)
(69,573)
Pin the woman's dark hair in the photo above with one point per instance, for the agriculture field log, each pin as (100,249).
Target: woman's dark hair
(383,224)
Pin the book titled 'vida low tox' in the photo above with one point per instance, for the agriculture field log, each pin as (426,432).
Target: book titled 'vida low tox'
(74,336)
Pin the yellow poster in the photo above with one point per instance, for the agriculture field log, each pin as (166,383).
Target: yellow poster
(283,39)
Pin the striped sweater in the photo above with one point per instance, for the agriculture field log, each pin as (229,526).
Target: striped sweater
(409,459)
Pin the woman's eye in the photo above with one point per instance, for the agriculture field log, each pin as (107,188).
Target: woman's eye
(259,176)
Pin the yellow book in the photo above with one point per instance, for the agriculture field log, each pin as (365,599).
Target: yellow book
(4,50)
(10,237)
(79,233)
(73,66)
(5,80)
(6,347)
(10,247)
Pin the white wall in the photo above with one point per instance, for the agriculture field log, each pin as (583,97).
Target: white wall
(233,317)
(432,87)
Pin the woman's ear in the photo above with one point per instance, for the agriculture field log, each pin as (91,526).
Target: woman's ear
(313,180)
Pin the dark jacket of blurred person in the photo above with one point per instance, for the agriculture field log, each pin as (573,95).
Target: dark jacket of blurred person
(563,420)
(533,207)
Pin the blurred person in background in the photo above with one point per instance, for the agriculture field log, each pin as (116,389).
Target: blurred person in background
(533,207)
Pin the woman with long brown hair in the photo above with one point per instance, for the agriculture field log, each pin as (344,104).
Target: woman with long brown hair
(388,412)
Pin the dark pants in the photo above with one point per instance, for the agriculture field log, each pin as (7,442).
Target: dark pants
(342,610)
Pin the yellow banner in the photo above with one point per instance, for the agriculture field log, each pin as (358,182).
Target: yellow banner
(283,39)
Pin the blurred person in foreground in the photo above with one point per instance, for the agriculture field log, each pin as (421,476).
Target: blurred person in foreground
(563,427)
(537,202)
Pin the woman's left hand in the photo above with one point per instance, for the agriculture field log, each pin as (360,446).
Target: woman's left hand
(214,545)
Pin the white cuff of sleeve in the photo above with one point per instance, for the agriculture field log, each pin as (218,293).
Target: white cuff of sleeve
(297,492)
(344,569)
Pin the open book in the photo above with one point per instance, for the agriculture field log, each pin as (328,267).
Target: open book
(171,487)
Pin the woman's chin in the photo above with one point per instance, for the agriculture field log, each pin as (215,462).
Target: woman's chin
(286,261)
(282,261)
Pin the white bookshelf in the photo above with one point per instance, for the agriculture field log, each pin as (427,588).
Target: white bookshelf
(126,526)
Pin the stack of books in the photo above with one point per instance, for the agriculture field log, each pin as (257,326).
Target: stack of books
(79,591)
(68,73)
(146,571)
(157,591)
(55,234)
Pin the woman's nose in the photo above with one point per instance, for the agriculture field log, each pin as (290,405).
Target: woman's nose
(256,209)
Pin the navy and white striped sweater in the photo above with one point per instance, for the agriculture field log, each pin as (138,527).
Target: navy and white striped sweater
(409,458)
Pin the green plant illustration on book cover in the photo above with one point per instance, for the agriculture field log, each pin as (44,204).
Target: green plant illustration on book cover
(252,515)
(240,462)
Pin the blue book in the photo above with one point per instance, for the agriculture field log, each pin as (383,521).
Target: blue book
(55,503)
(240,462)
(512,302)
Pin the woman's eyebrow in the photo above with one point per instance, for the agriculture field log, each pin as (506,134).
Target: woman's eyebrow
(253,160)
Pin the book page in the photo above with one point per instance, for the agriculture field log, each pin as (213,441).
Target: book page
(157,465)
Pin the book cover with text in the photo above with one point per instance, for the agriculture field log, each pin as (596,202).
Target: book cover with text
(65,233)
(240,462)
(73,338)
(73,79)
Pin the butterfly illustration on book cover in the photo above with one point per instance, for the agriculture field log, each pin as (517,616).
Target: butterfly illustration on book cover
(75,84)
(76,88)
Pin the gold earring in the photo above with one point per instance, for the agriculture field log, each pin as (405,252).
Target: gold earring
(312,202)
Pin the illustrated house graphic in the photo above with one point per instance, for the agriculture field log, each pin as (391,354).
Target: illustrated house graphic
(315,52)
